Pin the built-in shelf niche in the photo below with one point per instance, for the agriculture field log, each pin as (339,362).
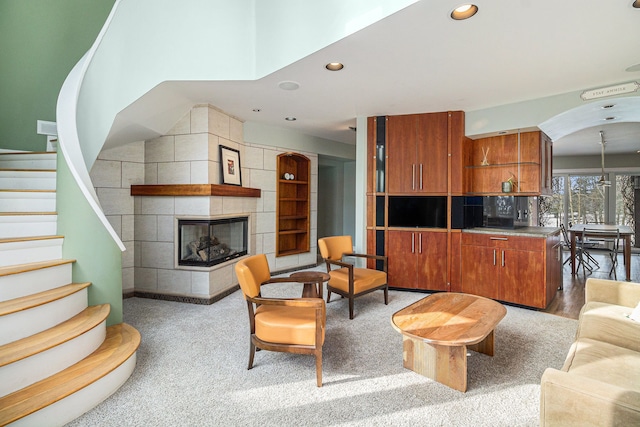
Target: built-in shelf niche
(293,207)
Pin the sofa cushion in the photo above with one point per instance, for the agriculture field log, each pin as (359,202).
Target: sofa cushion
(609,323)
(604,362)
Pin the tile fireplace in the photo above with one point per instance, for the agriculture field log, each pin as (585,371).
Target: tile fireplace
(208,242)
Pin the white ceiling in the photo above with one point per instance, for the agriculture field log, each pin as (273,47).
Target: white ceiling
(420,60)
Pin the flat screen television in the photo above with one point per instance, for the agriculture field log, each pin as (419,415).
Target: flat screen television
(417,211)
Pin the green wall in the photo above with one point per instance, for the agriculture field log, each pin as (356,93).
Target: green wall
(40,41)
(98,257)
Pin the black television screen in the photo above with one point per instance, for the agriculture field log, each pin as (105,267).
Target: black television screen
(421,211)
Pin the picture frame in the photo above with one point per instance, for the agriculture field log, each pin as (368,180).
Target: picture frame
(230,166)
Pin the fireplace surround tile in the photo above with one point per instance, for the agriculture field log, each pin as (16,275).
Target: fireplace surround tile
(161,149)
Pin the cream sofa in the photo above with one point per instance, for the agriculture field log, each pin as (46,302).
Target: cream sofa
(599,384)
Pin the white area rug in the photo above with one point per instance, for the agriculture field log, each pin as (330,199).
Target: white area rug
(192,370)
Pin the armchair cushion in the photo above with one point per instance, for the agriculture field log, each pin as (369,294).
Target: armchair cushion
(604,362)
(609,323)
(364,279)
(287,325)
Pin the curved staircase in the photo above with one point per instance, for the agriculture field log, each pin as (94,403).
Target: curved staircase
(58,359)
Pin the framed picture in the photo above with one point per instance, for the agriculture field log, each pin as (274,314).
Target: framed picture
(230,164)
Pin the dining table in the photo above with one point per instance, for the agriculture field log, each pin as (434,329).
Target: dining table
(603,231)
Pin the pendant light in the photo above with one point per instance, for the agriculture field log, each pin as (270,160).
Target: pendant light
(602,182)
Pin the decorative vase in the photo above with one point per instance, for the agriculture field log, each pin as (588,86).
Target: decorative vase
(506,187)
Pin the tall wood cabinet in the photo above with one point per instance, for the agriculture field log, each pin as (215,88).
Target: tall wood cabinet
(411,157)
(293,204)
(417,153)
(524,157)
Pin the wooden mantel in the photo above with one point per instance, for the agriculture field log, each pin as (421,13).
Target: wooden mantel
(194,190)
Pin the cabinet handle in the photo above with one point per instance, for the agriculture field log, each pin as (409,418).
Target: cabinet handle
(413,177)
(420,242)
(503,258)
(413,243)
(421,176)
(498,238)
(494,257)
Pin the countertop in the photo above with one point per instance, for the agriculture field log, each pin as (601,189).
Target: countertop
(522,231)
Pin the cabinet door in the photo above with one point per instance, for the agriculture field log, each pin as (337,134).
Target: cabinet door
(401,268)
(401,154)
(432,261)
(522,277)
(432,153)
(479,272)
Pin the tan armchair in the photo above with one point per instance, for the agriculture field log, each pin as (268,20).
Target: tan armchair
(294,325)
(348,280)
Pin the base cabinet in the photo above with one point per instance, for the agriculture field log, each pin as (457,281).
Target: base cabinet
(515,269)
(417,260)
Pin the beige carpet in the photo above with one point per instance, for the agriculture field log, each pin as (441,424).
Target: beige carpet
(192,371)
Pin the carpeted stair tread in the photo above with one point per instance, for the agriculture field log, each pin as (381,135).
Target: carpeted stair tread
(30,301)
(59,334)
(121,342)
(32,266)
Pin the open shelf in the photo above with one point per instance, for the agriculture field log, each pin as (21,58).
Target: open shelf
(293,207)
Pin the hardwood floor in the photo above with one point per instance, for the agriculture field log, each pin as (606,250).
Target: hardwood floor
(570,299)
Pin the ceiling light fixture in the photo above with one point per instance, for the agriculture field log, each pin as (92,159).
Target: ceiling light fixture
(602,181)
(288,85)
(334,66)
(636,4)
(465,11)
(290,119)
(604,107)
(256,110)
(609,118)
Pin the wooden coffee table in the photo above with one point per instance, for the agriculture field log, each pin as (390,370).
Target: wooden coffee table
(438,330)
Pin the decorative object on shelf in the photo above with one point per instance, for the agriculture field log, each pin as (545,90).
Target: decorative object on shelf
(484,161)
(509,185)
(230,166)
(289,176)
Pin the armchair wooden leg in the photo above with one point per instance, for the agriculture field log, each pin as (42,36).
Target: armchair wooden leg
(252,352)
(386,295)
(328,295)
(319,368)
(351,307)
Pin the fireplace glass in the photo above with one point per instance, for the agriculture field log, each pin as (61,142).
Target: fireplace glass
(207,242)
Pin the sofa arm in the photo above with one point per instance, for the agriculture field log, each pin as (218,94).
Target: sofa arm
(612,292)
(572,400)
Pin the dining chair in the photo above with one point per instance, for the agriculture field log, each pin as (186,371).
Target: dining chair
(582,254)
(611,246)
(347,280)
(293,325)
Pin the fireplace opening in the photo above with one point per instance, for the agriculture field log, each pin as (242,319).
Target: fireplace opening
(207,242)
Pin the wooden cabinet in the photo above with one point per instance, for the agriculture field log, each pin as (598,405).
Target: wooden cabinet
(292,204)
(524,157)
(515,269)
(417,153)
(417,259)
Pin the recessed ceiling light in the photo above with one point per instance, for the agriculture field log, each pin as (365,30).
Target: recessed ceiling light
(503,132)
(290,119)
(605,107)
(636,4)
(465,11)
(609,118)
(256,110)
(334,66)
(288,85)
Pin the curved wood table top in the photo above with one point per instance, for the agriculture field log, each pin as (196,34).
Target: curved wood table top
(450,319)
